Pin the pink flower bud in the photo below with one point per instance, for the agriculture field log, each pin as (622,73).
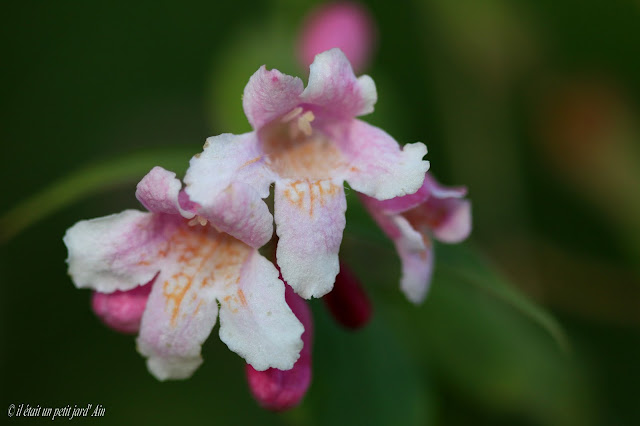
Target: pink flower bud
(280,390)
(347,26)
(122,310)
(348,302)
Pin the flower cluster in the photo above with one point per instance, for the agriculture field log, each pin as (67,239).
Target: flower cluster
(168,273)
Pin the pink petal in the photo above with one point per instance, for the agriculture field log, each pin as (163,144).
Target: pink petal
(417,268)
(117,252)
(414,249)
(450,218)
(205,268)
(416,255)
(348,302)
(446,212)
(227,180)
(239,211)
(280,390)
(440,191)
(334,90)
(347,26)
(379,167)
(269,95)
(121,310)
(400,204)
(310,218)
(159,192)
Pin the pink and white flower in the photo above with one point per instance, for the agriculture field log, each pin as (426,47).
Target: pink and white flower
(194,268)
(308,142)
(410,221)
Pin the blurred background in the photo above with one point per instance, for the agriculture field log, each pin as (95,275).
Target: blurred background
(533,105)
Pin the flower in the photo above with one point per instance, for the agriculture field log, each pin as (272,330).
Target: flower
(345,25)
(308,142)
(280,390)
(410,221)
(193,268)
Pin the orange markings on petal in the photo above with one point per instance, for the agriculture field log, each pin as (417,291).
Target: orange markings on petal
(250,162)
(202,256)
(243,300)
(198,307)
(317,191)
(176,295)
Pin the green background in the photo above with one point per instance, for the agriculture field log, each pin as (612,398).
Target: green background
(533,105)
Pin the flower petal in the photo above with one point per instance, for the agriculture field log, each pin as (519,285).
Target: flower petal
(400,204)
(440,191)
(378,166)
(255,320)
(182,307)
(159,192)
(239,211)
(270,94)
(116,252)
(283,389)
(454,224)
(417,268)
(416,255)
(413,247)
(334,88)
(310,219)
(446,212)
(228,180)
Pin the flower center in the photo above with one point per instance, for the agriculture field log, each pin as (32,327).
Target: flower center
(197,220)
(296,150)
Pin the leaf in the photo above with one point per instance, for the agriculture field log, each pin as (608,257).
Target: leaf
(464,262)
(87,181)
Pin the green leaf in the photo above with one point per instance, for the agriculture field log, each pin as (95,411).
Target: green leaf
(88,181)
(463,262)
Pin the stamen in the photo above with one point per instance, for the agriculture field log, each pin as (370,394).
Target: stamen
(198,220)
(304,123)
(291,114)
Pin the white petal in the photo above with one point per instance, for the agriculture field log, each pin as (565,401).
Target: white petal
(255,320)
(310,219)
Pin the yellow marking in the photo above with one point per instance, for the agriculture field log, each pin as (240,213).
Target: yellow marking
(243,300)
(201,254)
(248,163)
(318,191)
(198,307)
